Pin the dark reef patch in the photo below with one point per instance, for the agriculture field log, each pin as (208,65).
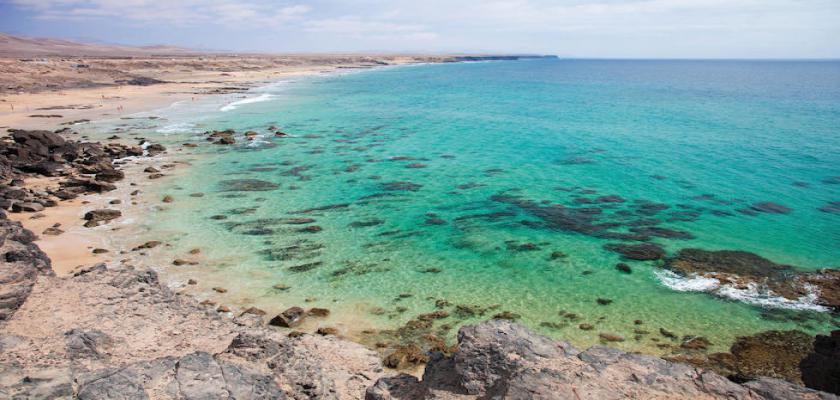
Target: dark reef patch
(329,207)
(246,185)
(770,208)
(832,207)
(366,223)
(298,250)
(640,252)
(662,232)
(401,186)
(306,267)
(832,180)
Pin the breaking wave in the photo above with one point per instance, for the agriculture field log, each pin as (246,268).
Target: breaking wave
(236,104)
(751,294)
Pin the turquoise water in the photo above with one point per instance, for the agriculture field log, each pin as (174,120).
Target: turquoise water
(433,182)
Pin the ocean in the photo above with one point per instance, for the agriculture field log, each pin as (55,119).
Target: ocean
(496,188)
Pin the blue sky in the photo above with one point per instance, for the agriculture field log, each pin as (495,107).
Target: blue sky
(578,28)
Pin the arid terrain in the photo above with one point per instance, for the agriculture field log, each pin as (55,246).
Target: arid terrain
(47,82)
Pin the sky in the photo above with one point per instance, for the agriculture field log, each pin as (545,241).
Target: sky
(569,28)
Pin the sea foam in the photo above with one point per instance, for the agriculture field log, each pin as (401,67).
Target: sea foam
(750,294)
(183,127)
(236,104)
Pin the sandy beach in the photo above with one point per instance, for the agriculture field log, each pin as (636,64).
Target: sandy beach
(99,96)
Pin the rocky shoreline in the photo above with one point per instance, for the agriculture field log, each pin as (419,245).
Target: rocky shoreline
(130,337)
(114,331)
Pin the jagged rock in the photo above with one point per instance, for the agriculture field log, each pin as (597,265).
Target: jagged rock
(98,217)
(155,149)
(195,376)
(22,263)
(821,368)
(405,356)
(44,383)
(292,317)
(27,207)
(87,344)
(90,185)
(775,354)
(500,359)
(200,377)
(777,389)
(738,268)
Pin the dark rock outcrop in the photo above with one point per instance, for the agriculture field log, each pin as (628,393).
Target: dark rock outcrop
(99,217)
(741,268)
(22,262)
(821,368)
(790,355)
(499,359)
(81,166)
(292,317)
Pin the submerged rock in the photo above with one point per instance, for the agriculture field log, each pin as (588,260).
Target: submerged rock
(776,354)
(770,208)
(246,185)
(405,356)
(622,267)
(790,355)
(401,186)
(641,252)
(832,207)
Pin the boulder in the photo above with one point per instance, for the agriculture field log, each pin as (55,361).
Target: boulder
(820,369)
(290,318)
(98,217)
(27,207)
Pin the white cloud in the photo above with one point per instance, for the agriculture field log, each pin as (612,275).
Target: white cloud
(359,27)
(171,12)
(581,27)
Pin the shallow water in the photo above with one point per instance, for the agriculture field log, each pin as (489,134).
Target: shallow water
(441,182)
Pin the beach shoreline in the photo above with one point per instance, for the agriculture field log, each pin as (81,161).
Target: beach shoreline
(82,259)
(80,106)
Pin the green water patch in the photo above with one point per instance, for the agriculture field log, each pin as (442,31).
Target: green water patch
(541,192)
